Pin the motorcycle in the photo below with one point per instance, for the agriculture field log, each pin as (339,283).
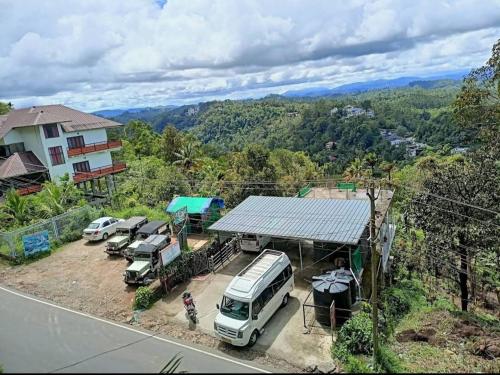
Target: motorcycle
(189,306)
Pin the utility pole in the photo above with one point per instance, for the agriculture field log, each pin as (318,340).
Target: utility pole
(374,268)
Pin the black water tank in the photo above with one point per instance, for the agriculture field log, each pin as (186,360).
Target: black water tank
(345,277)
(326,288)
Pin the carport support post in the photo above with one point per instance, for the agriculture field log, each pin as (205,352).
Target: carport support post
(300,254)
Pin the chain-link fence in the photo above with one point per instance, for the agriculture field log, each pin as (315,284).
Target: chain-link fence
(61,229)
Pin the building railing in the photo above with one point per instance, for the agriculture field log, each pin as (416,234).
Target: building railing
(99,172)
(93,147)
(29,189)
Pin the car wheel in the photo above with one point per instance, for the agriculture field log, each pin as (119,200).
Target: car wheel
(105,236)
(253,338)
(285,300)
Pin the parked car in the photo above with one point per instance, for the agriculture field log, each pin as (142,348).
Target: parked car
(252,298)
(144,270)
(125,234)
(253,243)
(101,228)
(147,230)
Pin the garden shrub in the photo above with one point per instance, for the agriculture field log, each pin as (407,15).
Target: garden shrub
(400,299)
(356,366)
(442,303)
(356,334)
(388,361)
(143,297)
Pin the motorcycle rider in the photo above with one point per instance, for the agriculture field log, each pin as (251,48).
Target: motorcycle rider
(188,301)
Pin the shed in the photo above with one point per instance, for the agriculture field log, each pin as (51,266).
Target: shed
(323,221)
(201,211)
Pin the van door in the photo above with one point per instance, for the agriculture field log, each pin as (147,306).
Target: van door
(267,310)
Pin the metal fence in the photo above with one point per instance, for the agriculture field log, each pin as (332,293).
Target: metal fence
(62,228)
(193,263)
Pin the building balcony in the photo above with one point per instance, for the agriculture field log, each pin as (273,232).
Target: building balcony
(99,172)
(93,147)
(35,188)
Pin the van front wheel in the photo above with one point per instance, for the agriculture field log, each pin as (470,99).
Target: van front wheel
(285,300)
(253,338)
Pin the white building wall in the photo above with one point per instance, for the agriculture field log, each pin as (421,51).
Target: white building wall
(35,141)
(96,159)
(32,141)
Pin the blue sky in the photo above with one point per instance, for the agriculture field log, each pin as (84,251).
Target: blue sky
(98,54)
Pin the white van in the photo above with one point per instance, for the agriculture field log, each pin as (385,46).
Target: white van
(252,298)
(253,243)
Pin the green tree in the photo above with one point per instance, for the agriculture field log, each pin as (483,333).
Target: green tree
(16,208)
(142,138)
(188,157)
(57,198)
(477,107)
(355,171)
(5,107)
(170,143)
(456,233)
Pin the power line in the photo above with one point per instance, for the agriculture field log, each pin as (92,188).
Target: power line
(459,214)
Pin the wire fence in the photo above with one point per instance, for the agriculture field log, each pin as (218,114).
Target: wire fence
(61,229)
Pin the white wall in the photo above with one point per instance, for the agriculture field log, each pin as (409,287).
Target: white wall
(34,140)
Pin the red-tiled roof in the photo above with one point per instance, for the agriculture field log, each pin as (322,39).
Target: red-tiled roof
(20,163)
(70,119)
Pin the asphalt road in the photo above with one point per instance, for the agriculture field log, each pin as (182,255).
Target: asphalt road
(37,336)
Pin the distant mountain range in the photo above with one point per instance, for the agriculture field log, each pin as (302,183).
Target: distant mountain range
(358,87)
(109,113)
(185,116)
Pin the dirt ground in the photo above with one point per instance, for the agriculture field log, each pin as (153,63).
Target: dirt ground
(83,277)
(449,342)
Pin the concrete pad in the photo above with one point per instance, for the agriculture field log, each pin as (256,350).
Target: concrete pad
(284,333)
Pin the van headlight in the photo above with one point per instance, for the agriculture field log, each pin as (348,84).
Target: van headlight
(240,334)
(215,326)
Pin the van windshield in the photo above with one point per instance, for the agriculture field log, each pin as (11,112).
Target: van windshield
(248,237)
(234,309)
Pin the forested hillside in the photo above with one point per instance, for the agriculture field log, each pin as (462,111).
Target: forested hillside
(421,111)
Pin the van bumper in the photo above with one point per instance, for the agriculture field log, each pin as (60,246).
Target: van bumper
(233,341)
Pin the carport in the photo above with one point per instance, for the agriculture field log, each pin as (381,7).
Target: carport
(326,222)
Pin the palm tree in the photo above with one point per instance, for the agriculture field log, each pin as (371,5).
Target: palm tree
(388,168)
(355,170)
(371,160)
(55,199)
(188,155)
(16,207)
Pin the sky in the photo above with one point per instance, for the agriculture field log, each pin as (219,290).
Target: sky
(97,54)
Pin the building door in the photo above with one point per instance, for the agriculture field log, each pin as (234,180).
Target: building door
(82,166)
(76,142)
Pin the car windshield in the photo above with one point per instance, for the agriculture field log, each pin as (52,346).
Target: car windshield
(93,225)
(234,309)
(142,256)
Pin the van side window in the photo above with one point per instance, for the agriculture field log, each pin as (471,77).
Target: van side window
(257,305)
(278,282)
(267,294)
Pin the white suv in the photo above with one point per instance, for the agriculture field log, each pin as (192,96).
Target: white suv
(101,229)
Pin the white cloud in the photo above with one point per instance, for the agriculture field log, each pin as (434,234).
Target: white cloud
(127,53)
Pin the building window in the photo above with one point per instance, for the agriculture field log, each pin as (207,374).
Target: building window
(56,155)
(76,142)
(51,131)
(82,166)
(8,150)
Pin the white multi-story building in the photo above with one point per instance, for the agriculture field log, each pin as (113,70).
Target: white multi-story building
(46,142)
